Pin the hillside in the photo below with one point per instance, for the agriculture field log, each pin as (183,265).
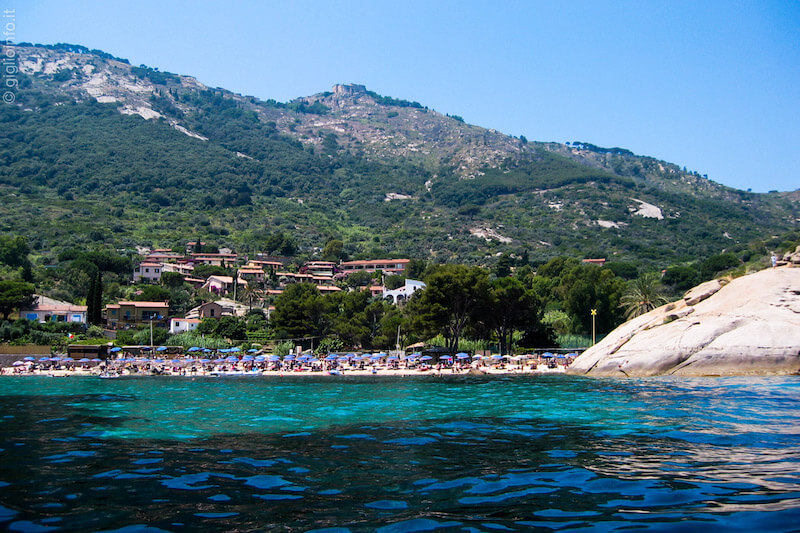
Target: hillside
(98,150)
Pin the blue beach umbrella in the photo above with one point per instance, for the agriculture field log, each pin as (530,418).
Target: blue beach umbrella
(29,358)
(96,360)
(425,358)
(161,348)
(252,350)
(116,349)
(547,355)
(85,360)
(462,356)
(194,349)
(237,349)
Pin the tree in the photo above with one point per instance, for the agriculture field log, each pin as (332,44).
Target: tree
(298,312)
(511,308)
(503,266)
(173,280)
(333,250)
(249,294)
(231,327)
(94,299)
(642,295)
(15,294)
(14,253)
(581,288)
(152,293)
(450,302)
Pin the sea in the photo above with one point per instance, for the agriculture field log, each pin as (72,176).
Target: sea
(340,454)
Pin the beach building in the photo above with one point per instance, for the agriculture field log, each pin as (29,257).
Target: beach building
(220,259)
(147,271)
(125,315)
(401,295)
(183,325)
(323,269)
(251,274)
(221,285)
(182,268)
(218,309)
(388,266)
(598,262)
(46,309)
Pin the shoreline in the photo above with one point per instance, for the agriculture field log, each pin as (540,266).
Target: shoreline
(269,374)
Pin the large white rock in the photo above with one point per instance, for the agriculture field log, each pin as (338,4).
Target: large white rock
(751,325)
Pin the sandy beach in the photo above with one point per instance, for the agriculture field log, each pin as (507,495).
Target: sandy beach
(226,370)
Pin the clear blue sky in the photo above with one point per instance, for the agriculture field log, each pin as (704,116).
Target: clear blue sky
(711,85)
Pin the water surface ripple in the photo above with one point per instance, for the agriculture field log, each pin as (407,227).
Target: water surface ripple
(399,455)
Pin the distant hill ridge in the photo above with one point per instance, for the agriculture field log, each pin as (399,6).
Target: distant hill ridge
(382,174)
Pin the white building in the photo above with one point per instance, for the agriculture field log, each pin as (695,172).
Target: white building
(405,292)
(147,271)
(182,325)
(46,309)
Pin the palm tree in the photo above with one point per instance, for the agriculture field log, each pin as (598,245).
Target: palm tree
(642,295)
(250,293)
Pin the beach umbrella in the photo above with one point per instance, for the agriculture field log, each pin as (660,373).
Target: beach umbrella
(161,348)
(425,358)
(84,360)
(29,358)
(116,349)
(237,349)
(205,361)
(43,359)
(289,357)
(547,355)
(96,360)
(194,349)
(231,359)
(477,357)
(462,356)
(252,350)
(18,363)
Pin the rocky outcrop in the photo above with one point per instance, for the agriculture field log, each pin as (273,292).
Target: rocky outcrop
(749,325)
(790,258)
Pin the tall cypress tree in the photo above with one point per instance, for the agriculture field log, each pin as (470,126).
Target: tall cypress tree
(98,298)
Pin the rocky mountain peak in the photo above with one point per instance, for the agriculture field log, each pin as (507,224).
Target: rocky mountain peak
(350,89)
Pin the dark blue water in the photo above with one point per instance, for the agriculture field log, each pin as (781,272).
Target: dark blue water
(399,455)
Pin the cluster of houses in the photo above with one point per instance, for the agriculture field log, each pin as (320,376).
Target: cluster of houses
(260,277)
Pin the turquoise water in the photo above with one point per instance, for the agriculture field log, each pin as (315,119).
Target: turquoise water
(399,454)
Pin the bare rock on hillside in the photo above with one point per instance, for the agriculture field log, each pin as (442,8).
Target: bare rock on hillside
(750,325)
